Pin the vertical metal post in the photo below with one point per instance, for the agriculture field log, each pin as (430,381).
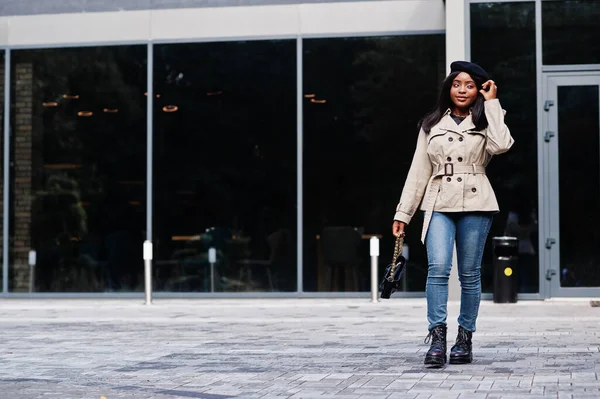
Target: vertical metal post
(32,262)
(374,249)
(212,259)
(148,272)
(299,164)
(149,139)
(405,253)
(149,173)
(544,214)
(6,182)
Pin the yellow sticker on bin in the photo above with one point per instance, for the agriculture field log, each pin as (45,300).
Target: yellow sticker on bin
(508,272)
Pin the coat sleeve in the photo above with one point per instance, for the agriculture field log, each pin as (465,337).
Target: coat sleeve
(416,181)
(499,139)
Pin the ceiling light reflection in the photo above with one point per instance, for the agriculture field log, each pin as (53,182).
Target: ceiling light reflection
(309,96)
(315,101)
(111,110)
(170,108)
(71,96)
(85,113)
(50,104)
(186,238)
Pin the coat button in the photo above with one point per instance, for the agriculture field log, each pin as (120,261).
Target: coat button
(474,189)
(450,139)
(460,139)
(449,159)
(448,179)
(459,179)
(459,159)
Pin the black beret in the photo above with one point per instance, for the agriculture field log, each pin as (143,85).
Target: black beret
(471,68)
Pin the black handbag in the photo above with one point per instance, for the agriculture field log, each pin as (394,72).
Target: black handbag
(394,271)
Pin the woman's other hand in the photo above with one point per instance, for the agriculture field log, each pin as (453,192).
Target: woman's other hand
(398,228)
(489,90)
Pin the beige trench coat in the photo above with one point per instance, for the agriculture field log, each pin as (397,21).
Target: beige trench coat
(447,173)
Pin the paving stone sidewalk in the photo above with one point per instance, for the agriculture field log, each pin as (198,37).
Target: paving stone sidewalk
(290,348)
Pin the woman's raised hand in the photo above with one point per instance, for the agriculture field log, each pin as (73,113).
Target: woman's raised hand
(489,90)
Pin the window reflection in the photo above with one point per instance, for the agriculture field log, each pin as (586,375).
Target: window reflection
(578,150)
(514,174)
(78,169)
(570,33)
(363,98)
(1,158)
(225,166)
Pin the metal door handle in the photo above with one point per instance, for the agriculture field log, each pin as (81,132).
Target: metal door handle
(550,273)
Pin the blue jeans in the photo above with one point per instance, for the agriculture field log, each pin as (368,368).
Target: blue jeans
(470,230)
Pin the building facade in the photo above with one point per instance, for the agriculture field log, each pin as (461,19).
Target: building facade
(260,144)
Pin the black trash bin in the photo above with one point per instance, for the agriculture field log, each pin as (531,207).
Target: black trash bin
(506,258)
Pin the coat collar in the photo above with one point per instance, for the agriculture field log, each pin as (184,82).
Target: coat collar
(447,123)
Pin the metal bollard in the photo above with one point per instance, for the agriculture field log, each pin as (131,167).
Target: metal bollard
(32,262)
(405,253)
(374,249)
(212,259)
(148,271)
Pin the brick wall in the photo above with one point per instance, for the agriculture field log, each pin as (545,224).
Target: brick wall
(21,190)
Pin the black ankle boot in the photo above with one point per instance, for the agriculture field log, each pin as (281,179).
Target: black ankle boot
(462,351)
(436,355)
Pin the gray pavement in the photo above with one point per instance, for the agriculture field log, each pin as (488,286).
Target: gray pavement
(290,348)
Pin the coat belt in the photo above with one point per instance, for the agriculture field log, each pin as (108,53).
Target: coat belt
(448,169)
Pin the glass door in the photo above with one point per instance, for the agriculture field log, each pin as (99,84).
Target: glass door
(572,139)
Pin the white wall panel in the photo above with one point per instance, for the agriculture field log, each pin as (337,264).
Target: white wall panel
(71,29)
(224,22)
(3,31)
(375,17)
(221,23)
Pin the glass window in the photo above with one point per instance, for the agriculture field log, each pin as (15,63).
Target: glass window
(225,166)
(363,98)
(1,161)
(570,32)
(578,151)
(78,169)
(514,174)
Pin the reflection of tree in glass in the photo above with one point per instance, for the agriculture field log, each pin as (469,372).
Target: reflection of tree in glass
(58,225)
(88,136)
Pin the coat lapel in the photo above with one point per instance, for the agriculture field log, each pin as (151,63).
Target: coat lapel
(467,124)
(447,123)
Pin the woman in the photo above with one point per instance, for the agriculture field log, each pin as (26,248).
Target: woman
(456,141)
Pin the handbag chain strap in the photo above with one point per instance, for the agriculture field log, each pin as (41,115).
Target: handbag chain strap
(397,252)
